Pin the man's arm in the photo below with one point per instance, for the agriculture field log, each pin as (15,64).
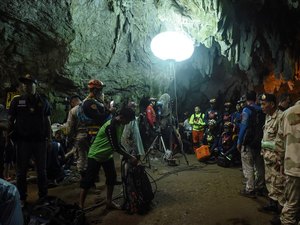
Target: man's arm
(111,132)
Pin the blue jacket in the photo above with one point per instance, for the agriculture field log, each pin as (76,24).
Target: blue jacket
(244,123)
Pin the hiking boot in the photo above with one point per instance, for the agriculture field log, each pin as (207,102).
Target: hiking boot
(248,194)
(275,220)
(263,192)
(268,209)
(271,207)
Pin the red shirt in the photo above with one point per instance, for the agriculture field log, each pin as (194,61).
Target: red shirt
(151,116)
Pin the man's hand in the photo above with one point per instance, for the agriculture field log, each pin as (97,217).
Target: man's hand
(133,160)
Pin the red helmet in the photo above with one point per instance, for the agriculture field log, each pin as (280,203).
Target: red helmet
(95,84)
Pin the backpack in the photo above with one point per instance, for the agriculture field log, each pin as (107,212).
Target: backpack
(224,161)
(137,189)
(254,130)
(54,211)
(92,112)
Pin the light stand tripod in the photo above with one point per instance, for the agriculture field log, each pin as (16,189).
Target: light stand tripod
(157,144)
(161,147)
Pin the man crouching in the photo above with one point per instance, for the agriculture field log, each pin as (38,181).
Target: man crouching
(101,154)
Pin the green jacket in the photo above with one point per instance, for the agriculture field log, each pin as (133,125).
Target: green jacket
(197,121)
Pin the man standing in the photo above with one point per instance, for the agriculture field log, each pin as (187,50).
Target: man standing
(284,101)
(288,145)
(251,158)
(101,155)
(29,116)
(150,113)
(273,178)
(84,121)
(198,125)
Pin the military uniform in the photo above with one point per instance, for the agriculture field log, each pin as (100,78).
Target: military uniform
(31,126)
(288,145)
(273,178)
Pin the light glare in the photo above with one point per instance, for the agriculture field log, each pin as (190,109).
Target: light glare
(172,45)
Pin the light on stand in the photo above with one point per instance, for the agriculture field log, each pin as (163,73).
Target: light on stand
(174,47)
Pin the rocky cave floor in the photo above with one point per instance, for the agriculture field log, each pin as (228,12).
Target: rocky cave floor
(191,194)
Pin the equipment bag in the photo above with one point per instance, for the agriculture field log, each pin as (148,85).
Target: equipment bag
(202,153)
(224,161)
(54,211)
(137,189)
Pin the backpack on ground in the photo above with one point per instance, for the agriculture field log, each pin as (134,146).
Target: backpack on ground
(54,211)
(224,161)
(254,131)
(137,189)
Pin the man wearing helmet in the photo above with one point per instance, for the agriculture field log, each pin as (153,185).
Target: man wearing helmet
(85,120)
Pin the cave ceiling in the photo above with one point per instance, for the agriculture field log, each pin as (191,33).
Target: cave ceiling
(239,44)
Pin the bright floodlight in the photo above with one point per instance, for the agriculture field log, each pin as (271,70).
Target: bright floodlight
(172,45)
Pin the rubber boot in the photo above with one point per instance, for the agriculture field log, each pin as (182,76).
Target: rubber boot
(271,207)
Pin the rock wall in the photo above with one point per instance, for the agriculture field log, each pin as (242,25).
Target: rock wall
(239,45)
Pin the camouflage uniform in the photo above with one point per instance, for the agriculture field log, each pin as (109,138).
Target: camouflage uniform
(288,143)
(273,178)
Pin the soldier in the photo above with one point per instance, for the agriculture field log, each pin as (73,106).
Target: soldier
(273,178)
(288,145)
(284,101)
(29,117)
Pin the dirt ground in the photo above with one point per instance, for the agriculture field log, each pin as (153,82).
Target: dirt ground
(194,194)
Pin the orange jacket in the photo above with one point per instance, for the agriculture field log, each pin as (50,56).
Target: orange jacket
(151,116)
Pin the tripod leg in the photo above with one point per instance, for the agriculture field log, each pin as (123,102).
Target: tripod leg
(150,149)
(181,149)
(162,143)
(182,152)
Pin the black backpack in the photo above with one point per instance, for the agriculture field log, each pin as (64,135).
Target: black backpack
(137,189)
(54,211)
(92,112)
(254,130)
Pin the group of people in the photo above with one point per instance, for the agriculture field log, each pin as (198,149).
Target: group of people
(263,133)
(94,130)
(216,130)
